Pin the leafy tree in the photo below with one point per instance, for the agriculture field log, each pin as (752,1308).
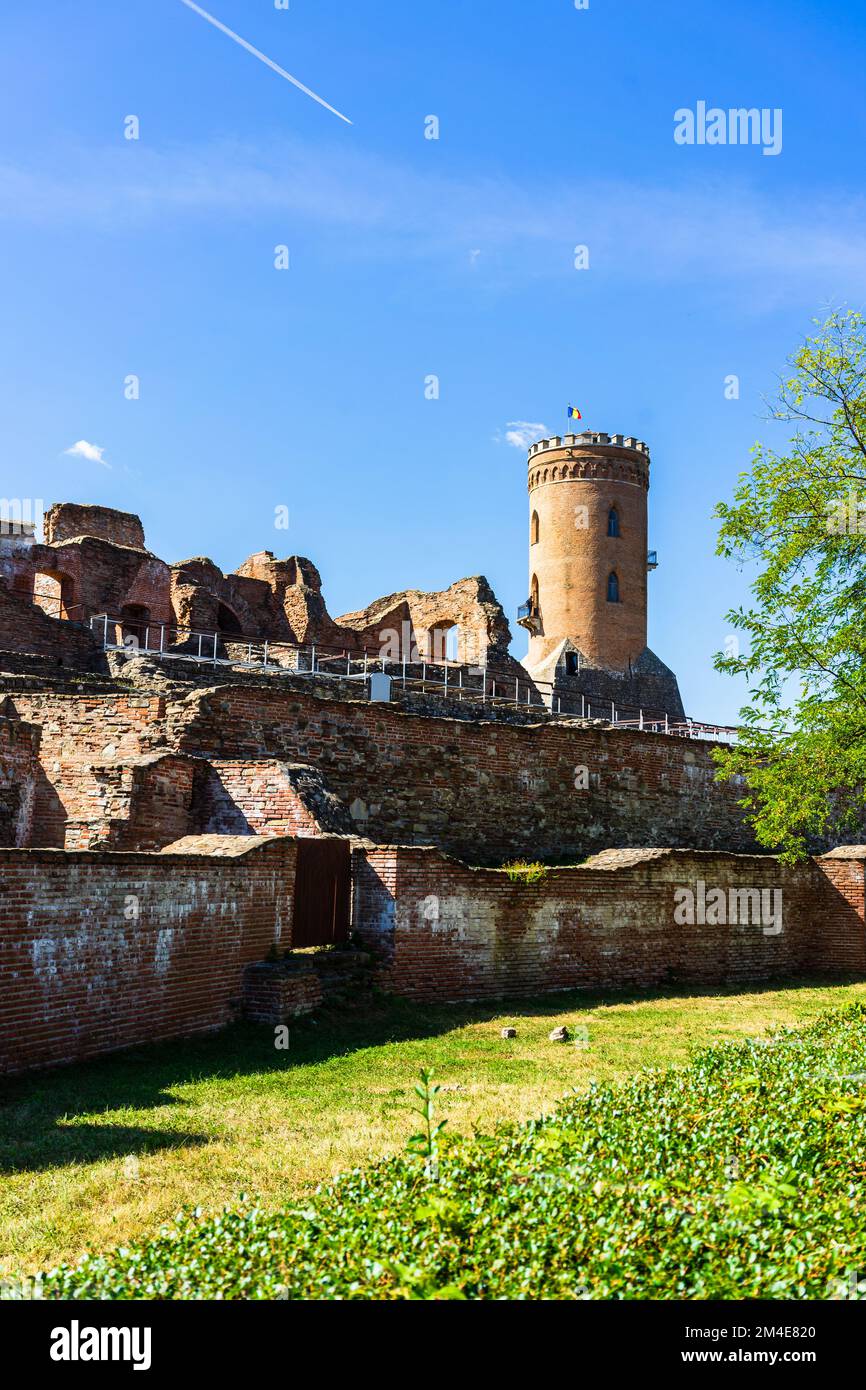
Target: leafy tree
(800,516)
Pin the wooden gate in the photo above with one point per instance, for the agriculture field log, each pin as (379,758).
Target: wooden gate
(322,893)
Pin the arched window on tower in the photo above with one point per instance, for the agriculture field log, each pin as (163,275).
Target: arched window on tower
(533,529)
(613,522)
(612,588)
(533,593)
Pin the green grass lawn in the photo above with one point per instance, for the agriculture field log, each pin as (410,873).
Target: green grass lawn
(98,1154)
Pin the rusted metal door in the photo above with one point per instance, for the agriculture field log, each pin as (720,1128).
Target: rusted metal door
(322,893)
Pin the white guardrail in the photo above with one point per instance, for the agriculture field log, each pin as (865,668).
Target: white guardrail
(452,679)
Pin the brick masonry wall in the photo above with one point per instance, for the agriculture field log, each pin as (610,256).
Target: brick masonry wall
(83,738)
(841,910)
(137,804)
(442,930)
(19,770)
(486,792)
(251,796)
(275,992)
(25,628)
(65,520)
(80,975)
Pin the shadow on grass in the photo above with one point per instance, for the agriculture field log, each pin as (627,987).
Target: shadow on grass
(38,1111)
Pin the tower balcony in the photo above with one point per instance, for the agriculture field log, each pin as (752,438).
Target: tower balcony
(529,616)
(652,560)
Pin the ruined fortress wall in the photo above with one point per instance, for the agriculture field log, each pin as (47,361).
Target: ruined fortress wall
(485,792)
(143,804)
(482,791)
(100,951)
(445,931)
(242,797)
(844,904)
(25,628)
(67,520)
(112,727)
(19,771)
(79,731)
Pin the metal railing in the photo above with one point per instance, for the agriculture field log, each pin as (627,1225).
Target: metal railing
(458,680)
(684,728)
(415,673)
(51,604)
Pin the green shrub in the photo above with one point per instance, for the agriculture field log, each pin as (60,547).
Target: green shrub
(742,1175)
(522,872)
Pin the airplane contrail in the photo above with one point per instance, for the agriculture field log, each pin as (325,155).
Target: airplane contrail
(263,58)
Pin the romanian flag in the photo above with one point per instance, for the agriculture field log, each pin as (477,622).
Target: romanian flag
(574,413)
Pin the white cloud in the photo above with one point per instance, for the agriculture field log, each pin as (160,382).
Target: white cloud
(92,452)
(521,433)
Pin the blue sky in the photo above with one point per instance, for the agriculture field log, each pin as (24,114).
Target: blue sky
(409,257)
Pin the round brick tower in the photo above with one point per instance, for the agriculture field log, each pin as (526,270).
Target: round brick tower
(588,548)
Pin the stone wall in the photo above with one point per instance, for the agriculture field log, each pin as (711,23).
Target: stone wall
(139,803)
(415,618)
(25,628)
(65,520)
(487,792)
(83,738)
(484,791)
(840,909)
(19,772)
(100,951)
(77,580)
(262,796)
(442,930)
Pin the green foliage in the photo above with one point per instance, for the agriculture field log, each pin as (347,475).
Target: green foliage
(799,516)
(522,872)
(425,1143)
(741,1175)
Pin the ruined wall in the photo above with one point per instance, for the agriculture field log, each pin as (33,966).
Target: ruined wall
(94,562)
(206,600)
(486,792)
(24,627)
(66,520)
(470,605)
(843,907)
(79,579)
(80,975)
(19,770)
(483,791)
(296,588)
(142,803)
(262,796)
(442,930)
(81,735)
